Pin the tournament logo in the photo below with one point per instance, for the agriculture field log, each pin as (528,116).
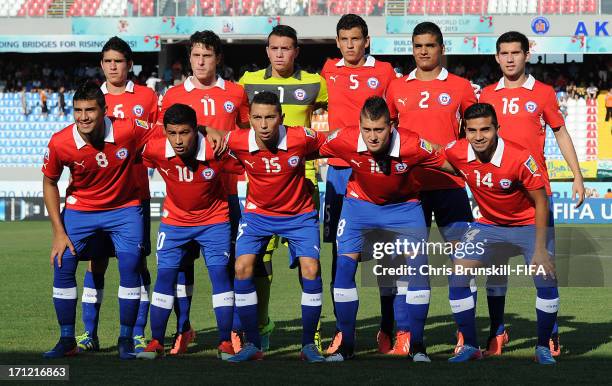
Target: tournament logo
(138,110)
(229,106)
(121,153)
(531,165)
(531,106)
(294,161)
(332,136)
(310,133)
(444,99)
(451,144)
(505,183)
(208,174)
(299,94)
(373,83)
(141,123)
(401,167)
(46,154)
(540,25)
(426,146)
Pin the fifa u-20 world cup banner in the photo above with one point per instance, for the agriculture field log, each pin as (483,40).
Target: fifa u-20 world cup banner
(170,25)
(448,24)
(454,45)
(72,43)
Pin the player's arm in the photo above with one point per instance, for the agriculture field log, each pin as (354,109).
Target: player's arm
(323,147)
(242,118)
(60,238)
(390,99)
(322,96)
(541,256)
(569,154)
(216,138)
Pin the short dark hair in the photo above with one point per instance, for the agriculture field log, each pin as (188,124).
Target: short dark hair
(374,108)
(267,98)
(350,21)
(117,44)
(428,27)
(208,39)
(180,114)
(481,110)
(283,30)
(88,91)
(513,37)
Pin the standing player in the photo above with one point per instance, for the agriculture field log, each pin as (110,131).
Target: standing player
(431,94)
(195,209)
(300,93)
(279,202)
(220,104)
(508,186)
(124,99)
(100,153)
(522,103)
(380,195)
(350,81)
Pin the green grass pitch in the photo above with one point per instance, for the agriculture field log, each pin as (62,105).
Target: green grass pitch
(28,328)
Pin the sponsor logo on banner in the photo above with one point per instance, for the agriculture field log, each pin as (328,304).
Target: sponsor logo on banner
(540,25)
(138,110)
(122,153)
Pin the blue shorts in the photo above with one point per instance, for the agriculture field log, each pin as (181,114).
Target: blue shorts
(301,231)
(451,208)
(494,244)
(358,216)
(335,189)
(101,245)
(123,226)
(175,242)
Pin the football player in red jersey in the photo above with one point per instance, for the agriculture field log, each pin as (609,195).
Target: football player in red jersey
(350,81)
(522,103)
(124,99)
(101,197)
(431,94)
(220,104)
(509,187)
(195,210)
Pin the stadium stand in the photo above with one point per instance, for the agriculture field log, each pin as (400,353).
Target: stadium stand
(114,8)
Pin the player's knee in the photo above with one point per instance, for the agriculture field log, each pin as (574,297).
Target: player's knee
(243,269)
(309,267)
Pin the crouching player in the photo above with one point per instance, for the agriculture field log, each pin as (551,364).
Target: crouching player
(510,191)
(195,209)
(101,197)
(380,195)
(279,202)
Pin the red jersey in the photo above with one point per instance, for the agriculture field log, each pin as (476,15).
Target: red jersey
(382,179)
(193,196)
(277,185)
(102,178)
(433,110)
(219,107)
(348,88)
(522,112)
(137,102)
(499,186)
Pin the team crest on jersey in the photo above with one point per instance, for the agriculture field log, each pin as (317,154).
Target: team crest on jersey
(208,174)
(531,165)
(444,99)
(373,83)
(294,161)
(229,106)
(531,106)
(505,183)
(121,153)
(71,200)
(138,110)
(141,123)
(310,133)
(450,144)
(426,146)
(401,167)
(299,94)
(165,213)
